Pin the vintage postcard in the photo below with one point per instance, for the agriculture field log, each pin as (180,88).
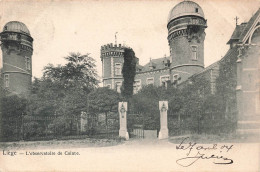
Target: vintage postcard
(131,85)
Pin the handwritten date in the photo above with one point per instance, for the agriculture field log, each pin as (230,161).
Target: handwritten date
(198,149)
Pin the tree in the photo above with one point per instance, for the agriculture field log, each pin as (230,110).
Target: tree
(63,89)
(78,72)
(103,100)
(129,71)
(146,102)
(12,108)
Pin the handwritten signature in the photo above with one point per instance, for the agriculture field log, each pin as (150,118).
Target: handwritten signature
(189,160)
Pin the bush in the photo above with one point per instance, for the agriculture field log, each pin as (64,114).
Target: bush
(62,126)
(33,129)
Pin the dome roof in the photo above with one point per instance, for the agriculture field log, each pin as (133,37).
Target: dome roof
(185,8)
(16,26)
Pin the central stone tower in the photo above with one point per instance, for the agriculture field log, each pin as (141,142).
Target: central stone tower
(112,57)
(186,34)
(17,50)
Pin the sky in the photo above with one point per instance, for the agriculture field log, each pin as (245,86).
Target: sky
(61,27)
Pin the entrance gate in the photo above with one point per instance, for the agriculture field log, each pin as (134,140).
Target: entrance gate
(138,131)
(135,125)
(132,124)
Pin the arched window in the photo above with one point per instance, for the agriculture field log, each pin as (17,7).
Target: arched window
(27,63)
(194,52)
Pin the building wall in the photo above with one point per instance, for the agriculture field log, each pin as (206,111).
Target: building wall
(186,40)
(181,49)
(210,74)
(248,77)
(107,67)
(14,65)
(185,72)
(250,81)
(156,75)
(111,55)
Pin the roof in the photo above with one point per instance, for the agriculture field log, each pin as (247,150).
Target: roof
(139,66)
(210,67)
(249,25)
(237,33)
(185,8)
(156,63)
(241,31)
(231,53)
(16,26)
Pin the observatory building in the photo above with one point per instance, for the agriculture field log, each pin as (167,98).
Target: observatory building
(17,50)
(186,34)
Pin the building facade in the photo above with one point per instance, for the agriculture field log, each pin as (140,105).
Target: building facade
(186,35)
(186,26)
(17,50)
(112,63)
(246,38)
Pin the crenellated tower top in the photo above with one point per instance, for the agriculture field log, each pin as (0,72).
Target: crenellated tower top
(112,50)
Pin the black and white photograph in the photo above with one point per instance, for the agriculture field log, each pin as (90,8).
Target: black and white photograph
(130,85)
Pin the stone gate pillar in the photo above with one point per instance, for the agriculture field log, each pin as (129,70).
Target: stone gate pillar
(163,107)
(83,121)
(122,110)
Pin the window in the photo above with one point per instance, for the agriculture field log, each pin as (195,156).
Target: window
(196,10)
(118,86)
(175,79)
(6,80)
(138,70)
(167,63)
(165,80)
(137,86)
(152,67)
(118,69)
(27,63)
(150,81)
(194,54)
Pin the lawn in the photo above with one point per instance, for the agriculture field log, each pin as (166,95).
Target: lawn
(82,143)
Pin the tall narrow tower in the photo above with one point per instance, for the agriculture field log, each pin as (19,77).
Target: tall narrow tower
(112,57)
(17,50)
(186,26)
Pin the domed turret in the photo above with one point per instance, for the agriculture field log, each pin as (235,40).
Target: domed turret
(17,49)
(185,8)
(16,26)
(186,26)
(17,32)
